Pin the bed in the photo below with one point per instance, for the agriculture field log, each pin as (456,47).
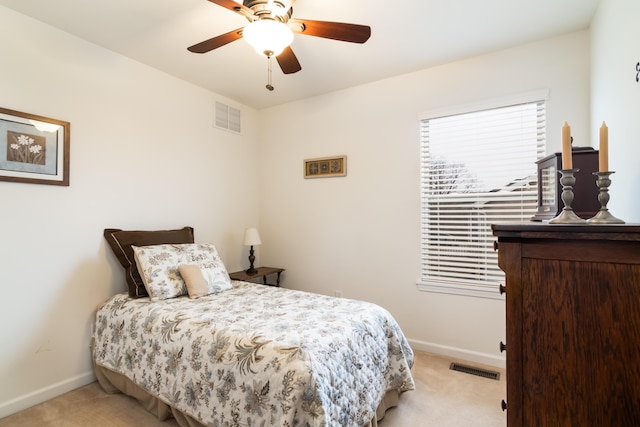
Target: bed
(245,354)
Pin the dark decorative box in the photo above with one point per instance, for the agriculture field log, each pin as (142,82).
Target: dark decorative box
(585,202)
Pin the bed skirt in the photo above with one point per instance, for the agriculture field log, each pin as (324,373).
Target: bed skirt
(113,382)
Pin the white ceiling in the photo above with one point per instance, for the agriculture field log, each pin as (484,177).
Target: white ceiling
(406,36)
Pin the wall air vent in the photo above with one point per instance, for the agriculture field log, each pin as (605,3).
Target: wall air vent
(475,371)
(227,117)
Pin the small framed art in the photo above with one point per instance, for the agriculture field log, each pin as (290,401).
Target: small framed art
(33,149)
(325,167)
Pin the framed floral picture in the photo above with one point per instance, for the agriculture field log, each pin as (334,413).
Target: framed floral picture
(325,167)
(33,149)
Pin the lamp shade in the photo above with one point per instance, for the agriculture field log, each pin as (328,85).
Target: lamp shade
(251,237)
(267,36)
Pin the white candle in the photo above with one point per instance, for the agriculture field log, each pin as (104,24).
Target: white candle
(604,148)
(567,161)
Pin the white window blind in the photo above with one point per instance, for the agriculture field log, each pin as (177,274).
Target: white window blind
(477,168)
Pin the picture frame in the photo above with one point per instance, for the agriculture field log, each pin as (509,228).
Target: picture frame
(325,167)
(33,149)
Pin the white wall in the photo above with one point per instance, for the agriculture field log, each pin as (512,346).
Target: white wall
(360,234)
(144,155)
(616,99)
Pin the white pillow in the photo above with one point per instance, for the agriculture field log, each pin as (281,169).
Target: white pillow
(158,266)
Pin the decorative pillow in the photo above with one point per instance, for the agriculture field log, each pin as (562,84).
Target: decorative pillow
(159,268)
(121,242)
(196,283)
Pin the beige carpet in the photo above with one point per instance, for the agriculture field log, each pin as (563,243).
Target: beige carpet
(442,398)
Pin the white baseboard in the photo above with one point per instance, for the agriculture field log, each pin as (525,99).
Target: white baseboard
(459,353)
(38,396)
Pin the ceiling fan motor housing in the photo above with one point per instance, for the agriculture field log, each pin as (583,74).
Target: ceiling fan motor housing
(274,9)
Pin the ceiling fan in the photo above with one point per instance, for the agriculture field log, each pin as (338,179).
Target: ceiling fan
(271,27)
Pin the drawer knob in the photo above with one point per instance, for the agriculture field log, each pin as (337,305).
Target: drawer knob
(503,289)
(495,245)
(503,405)
(503,346)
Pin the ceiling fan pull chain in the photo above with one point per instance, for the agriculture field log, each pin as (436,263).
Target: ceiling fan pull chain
(269,86)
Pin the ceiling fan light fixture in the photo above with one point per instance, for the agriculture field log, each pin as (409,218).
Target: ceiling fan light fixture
(267,36)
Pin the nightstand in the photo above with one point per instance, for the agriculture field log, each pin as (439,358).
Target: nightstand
(262,272)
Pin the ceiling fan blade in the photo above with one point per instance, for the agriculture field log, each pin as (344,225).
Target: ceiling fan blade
(353,33)
(233,6)
(288,61)
(216,42)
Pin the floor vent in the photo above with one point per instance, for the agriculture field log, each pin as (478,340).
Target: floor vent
(475,371)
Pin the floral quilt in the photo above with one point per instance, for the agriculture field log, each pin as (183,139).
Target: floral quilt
(257,355)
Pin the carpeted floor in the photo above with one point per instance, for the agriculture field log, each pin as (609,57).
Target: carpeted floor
(442,398)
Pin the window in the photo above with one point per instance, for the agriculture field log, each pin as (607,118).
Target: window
(477,168)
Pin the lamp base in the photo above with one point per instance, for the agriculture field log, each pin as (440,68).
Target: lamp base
(252,258)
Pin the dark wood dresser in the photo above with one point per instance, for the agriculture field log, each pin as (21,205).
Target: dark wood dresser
(573,324)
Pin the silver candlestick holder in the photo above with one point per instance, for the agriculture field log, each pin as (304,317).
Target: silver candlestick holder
(567,215)
(603,216)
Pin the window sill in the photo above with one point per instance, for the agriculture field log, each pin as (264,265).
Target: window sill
(459,289)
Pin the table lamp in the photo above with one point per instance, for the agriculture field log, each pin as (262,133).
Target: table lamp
(251,238)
